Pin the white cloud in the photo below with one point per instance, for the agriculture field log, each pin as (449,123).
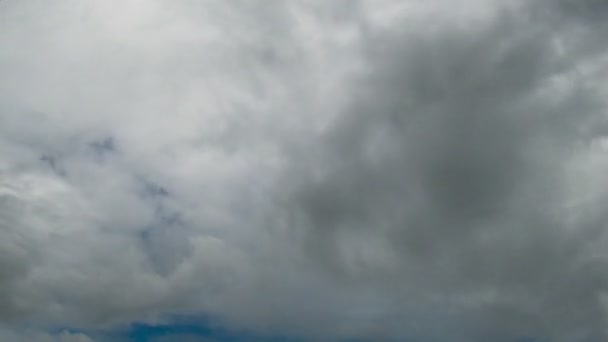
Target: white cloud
(359,168)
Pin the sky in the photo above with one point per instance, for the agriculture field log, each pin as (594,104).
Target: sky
(303,170)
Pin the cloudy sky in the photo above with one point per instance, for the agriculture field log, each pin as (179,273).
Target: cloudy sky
(264,170)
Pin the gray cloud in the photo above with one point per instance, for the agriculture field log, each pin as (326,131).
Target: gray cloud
(457,152)
(378,170)
(27,336)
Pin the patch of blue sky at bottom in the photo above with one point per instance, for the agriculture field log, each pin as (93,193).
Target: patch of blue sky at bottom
(202,329)
(198,333)
(182,328)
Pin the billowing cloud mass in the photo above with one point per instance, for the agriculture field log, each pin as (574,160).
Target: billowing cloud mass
(381,170)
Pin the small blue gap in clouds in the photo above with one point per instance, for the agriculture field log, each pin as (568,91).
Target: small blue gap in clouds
(141,332)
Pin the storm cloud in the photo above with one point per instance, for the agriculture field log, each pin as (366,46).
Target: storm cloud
(381,170)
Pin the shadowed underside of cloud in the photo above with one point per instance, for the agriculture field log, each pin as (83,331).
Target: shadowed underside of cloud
(374,170)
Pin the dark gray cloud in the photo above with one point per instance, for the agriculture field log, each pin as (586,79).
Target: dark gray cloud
(378,169)
(456,151)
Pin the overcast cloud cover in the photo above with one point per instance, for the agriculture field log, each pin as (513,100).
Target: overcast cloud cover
(374,169)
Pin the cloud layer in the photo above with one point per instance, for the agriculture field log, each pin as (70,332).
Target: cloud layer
(370,169)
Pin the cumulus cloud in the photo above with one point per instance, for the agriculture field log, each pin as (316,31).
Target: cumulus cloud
(369,169)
